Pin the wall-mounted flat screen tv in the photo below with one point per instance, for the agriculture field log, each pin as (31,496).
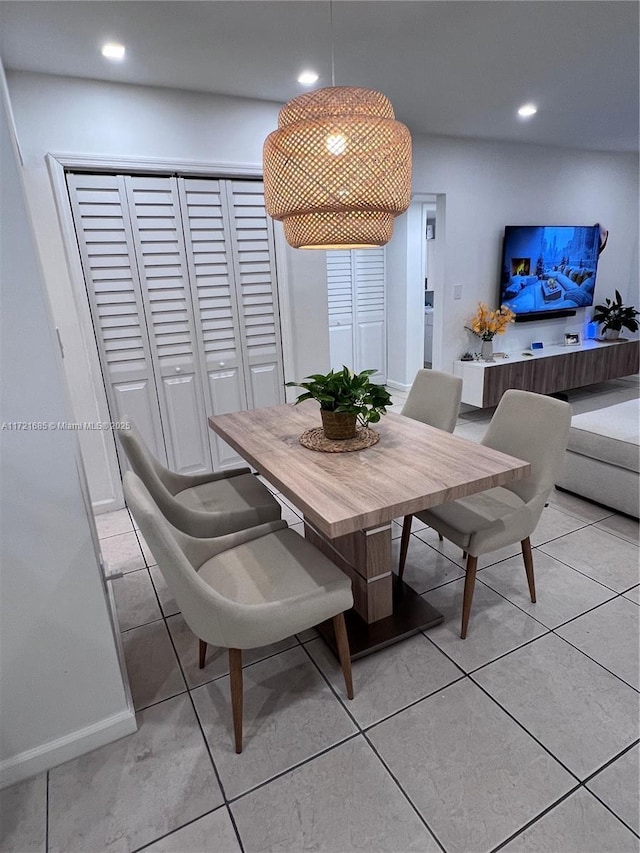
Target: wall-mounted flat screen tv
(548,270)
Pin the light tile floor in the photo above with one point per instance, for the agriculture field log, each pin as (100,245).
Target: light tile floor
(524,737)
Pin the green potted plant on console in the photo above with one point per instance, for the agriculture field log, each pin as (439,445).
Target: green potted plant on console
(613,315)
(346,399)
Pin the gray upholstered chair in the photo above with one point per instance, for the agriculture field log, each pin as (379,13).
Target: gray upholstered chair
(245,589)
(201,504)
(434,399)
(527,426)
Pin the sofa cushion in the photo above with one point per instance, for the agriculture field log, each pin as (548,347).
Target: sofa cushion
(609,434)
(579,297)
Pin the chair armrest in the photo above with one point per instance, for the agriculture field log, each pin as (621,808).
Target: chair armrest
(178,482)
(198,551)
(213,525)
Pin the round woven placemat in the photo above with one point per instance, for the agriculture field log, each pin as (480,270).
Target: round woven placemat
(314,439)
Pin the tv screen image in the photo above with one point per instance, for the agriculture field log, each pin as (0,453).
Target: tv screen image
(548,269)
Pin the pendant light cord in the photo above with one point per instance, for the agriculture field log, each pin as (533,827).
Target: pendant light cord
(333,60)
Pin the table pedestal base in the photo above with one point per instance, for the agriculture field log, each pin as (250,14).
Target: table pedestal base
(411,614)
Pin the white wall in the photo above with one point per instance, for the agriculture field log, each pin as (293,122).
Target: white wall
(405,299)
(489,185)
(60,682)
(103,120)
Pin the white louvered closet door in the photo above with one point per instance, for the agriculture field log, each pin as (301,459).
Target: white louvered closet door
(180,274)
(255,276)
(215,303)
(370,312)
(100,213)
(232,267)
(340,292)
(356,281)
(154,207)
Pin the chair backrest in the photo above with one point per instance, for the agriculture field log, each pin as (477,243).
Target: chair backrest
(534,428)
(202,608)
(158,479)
(434,399)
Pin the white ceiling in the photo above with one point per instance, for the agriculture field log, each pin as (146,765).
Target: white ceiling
(449,66)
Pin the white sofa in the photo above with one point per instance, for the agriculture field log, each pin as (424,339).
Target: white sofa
(602,461)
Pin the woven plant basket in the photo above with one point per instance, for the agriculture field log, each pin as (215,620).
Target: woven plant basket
(338,425)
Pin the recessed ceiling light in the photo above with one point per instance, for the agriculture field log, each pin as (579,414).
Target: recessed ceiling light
(308,78)
(113,51)
(527,110)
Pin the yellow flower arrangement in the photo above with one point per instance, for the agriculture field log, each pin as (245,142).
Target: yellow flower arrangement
(486,324)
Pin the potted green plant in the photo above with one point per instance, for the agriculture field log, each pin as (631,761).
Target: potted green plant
(613,315)
(346,399)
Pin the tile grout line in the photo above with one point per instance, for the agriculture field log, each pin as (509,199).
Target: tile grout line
(537,817)
(593,660)
(562,624)
(601,770)
(265,782)
(179,829)
(495,701)
(47,817)
(413,704)
(584,574)
(404,793)
(524,729)
(330,685)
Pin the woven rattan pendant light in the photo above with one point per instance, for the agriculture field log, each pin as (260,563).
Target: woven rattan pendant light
(338,168)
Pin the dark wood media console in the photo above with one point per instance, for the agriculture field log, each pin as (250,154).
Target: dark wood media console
(556,368)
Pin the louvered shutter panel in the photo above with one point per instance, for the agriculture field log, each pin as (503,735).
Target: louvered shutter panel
(157,228)
(254,269)
(370,312)
(356,282)
(340,287)
(215,303)
(99,207)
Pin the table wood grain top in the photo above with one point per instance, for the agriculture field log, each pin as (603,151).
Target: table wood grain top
(412,467)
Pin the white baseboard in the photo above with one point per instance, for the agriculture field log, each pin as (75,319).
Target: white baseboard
(109,505)
(48,755)
(399,386)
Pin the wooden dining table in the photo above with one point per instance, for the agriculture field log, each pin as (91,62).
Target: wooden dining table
(349,501)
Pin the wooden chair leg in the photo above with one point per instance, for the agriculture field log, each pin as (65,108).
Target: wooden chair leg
(235,672)
(203,654)
(404,543)
(342,641)
(528,567)
(469,584)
